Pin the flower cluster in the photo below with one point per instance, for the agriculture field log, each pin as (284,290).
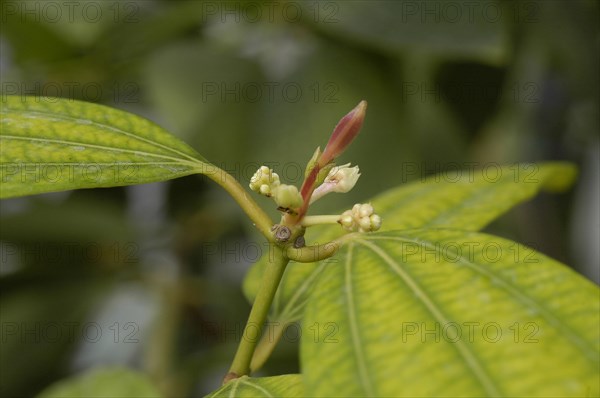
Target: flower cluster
(322,177)
(267,183)
(264,181)
(361,218)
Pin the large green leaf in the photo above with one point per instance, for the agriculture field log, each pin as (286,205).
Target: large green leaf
(105,383)
(442,312)
(467,200)
(52,144)
(276,386)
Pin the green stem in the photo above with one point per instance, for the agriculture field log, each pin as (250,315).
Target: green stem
(310,254)
(260,219)
(258,315)
(309,221)
(266,346)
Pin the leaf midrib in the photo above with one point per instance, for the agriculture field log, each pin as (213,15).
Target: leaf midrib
(88,122)
(102,147)
(354,329)
(515,292)
(256,387)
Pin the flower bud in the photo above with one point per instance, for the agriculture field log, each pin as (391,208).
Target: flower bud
(343,133)
(364,223)
(288,197)
(375,222)
(365,210)
(347,221)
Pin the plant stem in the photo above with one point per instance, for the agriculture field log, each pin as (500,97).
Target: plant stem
(267,345)
(260,219)
(309,221)
(258,315)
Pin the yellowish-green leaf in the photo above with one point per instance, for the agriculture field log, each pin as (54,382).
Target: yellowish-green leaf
(52,144)
(442,312)
(276,386)
(105,383)
(468,200)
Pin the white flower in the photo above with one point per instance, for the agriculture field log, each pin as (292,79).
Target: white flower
(340,179)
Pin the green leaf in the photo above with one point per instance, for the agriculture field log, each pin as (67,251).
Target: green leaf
(442,312)
(105,383)
(468,200)
(276,386)
(52,144)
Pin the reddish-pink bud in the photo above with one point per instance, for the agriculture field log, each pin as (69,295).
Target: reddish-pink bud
(343,133)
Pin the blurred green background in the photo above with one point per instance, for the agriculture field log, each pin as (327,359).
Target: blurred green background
(149,276)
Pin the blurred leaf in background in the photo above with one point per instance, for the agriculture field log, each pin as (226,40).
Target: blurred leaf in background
(157,269)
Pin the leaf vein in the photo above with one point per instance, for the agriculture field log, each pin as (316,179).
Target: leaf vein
(103,147)
(87,122)
(589,351)
(467,354)
(358,351)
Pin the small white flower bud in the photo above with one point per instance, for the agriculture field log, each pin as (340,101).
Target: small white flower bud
(365,210)
(265,190)
(347,220)
(375,222)
(364,224)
